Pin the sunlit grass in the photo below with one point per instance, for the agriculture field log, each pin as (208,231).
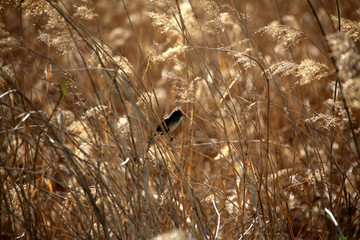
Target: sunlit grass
(267,149)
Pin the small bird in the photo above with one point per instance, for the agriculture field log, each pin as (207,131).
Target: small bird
(170,123)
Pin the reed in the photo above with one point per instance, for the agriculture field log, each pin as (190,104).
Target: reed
(268,147)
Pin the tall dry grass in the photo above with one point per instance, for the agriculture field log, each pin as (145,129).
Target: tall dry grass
(269,147)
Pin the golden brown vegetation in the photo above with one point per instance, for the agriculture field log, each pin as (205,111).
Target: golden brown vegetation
(269,147)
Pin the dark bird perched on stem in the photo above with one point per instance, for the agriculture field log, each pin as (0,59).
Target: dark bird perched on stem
(170,123)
